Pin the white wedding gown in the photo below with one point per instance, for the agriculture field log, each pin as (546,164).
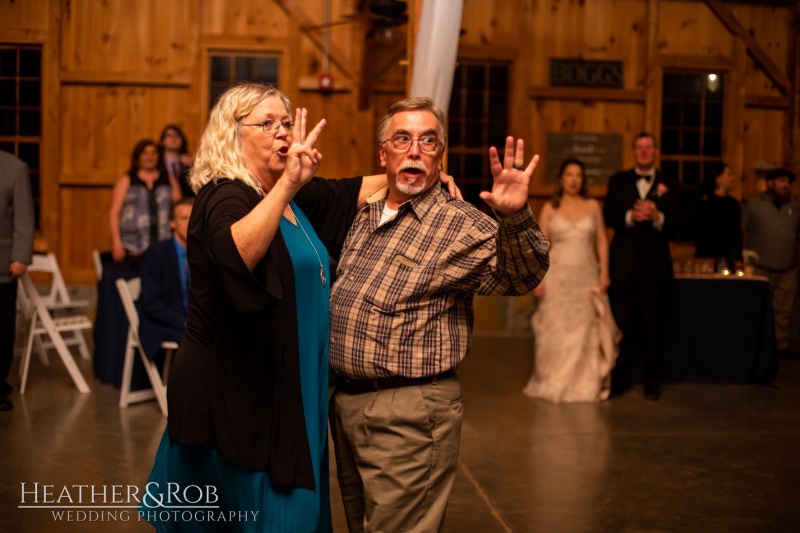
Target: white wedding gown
(576,338)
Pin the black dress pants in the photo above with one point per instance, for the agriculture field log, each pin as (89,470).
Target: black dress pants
(639,309)
(8,331)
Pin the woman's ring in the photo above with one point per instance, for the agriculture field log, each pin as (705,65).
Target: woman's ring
(518,167)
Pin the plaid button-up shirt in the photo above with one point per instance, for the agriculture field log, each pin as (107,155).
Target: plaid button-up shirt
(403,301)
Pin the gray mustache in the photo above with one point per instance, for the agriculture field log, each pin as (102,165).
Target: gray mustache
(416,165)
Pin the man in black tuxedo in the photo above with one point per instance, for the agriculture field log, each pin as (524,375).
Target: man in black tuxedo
(642,206)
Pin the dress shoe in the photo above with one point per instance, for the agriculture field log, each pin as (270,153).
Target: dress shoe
(6,405)
(652,391)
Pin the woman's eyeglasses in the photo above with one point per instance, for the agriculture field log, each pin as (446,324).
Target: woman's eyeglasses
(273,126)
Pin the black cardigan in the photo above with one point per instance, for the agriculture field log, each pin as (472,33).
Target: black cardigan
(235,382)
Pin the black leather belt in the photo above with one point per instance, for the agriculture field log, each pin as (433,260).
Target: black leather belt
(360,386)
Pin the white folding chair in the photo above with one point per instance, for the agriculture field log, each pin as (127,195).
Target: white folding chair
(129,292)
(55,299)
(43,323)
(98,265)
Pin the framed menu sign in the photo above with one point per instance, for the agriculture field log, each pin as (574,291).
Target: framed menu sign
(601,153)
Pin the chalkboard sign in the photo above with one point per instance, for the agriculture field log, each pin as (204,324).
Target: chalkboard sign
(601,153)
(586,73)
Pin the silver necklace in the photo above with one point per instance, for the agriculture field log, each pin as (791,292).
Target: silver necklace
(295,225)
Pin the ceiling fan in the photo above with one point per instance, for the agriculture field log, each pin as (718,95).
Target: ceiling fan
(379,12)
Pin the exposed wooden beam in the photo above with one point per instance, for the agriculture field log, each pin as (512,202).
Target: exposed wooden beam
(586,93)
(760,3)
(14,35)
(711,63)
(92,77)
(767,102)
(790,143)
(653,71)
(296,11)
(50,215)
(488,53)
(772,70)
(391,57)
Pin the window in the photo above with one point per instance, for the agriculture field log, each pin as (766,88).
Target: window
(21,109)
(229,69)
(478,119)
(691,125)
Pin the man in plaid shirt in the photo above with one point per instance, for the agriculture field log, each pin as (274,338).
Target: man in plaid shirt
(402,314)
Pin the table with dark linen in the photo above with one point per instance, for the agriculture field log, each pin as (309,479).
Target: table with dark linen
(111,330)
(718,329)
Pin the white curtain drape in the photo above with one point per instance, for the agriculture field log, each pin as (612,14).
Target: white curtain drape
(436,50)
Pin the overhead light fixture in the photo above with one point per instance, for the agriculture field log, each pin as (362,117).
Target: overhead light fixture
(712,82)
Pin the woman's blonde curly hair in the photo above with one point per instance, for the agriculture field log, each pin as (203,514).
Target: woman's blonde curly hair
(220,153)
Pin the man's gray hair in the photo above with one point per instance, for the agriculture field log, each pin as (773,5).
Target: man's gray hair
(418,103)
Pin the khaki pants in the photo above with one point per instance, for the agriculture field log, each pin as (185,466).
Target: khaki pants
(783,286)
(396,455)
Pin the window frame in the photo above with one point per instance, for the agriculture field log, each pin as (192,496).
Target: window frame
(463,154)
(268,49)
(12,142)
(681,158)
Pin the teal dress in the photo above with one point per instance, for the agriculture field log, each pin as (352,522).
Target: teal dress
(214,494)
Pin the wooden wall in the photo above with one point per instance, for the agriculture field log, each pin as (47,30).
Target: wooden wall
(117,71)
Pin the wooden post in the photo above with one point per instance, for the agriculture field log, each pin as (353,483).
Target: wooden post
(653,73)
(793,73)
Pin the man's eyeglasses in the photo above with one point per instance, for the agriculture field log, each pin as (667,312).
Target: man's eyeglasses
(272,126)
(428,144)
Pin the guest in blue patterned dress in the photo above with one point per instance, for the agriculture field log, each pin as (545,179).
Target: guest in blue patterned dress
(248,390)
(140,203)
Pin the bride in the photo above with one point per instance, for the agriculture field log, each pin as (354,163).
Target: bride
(576,337)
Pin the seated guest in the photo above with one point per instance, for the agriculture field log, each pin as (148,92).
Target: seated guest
(718,218)
(165,283)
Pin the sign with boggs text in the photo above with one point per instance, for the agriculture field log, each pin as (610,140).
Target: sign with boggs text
(601,153)
(586,73)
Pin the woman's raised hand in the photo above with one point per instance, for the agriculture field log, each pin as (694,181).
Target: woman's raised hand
(304,159)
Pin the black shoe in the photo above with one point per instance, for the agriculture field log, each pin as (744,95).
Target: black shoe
(788,353)
(6,405)
(652,391)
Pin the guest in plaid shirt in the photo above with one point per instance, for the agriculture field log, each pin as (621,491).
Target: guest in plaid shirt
(402,314)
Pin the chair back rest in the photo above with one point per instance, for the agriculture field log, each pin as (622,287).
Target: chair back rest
(129,292)
(37,305)
(98,265)
(48,263)
(25,302)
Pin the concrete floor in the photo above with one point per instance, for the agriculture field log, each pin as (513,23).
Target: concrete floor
(703,458)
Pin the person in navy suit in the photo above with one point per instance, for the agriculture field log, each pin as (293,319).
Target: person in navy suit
(165,278)
(643,208)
